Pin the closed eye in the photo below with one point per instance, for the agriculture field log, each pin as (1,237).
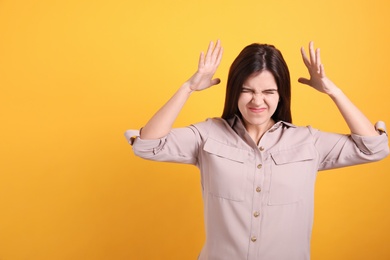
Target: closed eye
(270,91)
(247,90)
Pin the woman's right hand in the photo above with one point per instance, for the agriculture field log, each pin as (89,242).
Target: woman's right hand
(208,64)
(161,123)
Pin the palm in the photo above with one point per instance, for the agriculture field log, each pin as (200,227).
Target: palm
(318,79)
(208,64)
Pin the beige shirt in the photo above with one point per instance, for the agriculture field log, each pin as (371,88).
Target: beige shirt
(258,199)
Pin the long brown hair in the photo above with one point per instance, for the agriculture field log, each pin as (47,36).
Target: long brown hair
(252,59)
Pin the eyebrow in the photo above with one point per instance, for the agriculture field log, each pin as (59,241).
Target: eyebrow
(268,89)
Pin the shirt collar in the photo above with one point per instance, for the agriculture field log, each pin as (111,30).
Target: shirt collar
(236,123)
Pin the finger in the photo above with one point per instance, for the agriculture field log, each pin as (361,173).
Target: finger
(318,57)
(216,50)
(219,57)
(304,81)
(201,60)
(312,53)
(318,60)
(304,57)
(209,51)
(322,70)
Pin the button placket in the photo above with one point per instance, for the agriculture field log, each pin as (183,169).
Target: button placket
(256,206)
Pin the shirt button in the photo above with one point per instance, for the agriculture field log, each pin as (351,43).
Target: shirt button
(253,239)
(258,189)
(256,214)
(259,166)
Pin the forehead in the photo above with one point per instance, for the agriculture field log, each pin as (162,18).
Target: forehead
(261,80)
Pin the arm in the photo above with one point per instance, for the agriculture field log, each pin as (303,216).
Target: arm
(161,123)
(357,122)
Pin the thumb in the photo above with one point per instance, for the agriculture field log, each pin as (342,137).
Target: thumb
(304,81)
(215,81)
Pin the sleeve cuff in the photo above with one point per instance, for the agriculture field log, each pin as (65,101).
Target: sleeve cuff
(380,126)
(144,147)
(131,135)
(373,144)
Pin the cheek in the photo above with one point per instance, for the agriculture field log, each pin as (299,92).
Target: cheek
(273,102)
(242,101)
(245,98)
(239,106)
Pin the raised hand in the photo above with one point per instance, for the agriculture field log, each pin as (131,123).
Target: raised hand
(318,79)
(161,123)
(208,64)
(357,122)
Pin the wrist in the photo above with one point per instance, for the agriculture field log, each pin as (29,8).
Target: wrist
(186,88)
(331,89)
(335,93)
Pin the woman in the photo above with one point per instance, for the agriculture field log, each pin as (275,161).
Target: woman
(258,169)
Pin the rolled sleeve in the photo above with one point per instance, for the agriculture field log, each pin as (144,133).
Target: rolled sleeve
(380,126)
(373,145)
(142,147)
(131,135)
(180,145)
(337,150)
(147,149)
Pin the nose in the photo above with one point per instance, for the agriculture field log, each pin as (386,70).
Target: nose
(257,98)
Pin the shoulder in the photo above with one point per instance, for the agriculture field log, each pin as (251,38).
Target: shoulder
(294,135)
(212,125)
(217,129)
(292,128)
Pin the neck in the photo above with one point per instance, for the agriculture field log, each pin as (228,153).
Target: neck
(256,132)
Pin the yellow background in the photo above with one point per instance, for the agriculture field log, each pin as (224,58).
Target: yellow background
(75,74)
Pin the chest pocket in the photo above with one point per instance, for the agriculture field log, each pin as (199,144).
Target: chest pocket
(290,171)
(227,172)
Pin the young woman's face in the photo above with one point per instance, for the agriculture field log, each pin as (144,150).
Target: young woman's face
(259,99)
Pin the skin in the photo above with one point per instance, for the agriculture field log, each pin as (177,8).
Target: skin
(257,103)
(161,123)
(357,122)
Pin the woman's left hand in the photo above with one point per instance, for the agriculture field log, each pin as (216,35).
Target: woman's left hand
(318,79)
